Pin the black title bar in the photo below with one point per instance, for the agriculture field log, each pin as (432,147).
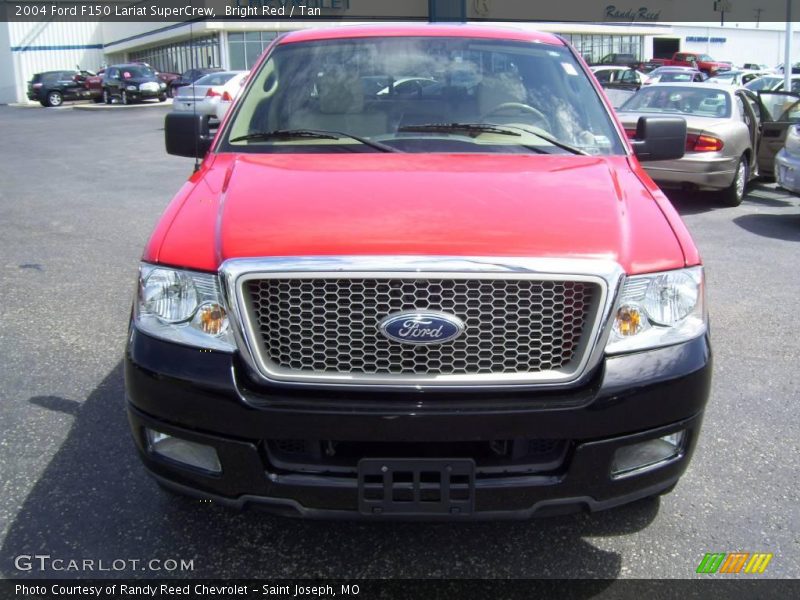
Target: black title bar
(610,11)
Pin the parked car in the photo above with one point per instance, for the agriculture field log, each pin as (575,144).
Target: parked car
(189,76)
(622,75)
(757,67)
(780,112)
(795,68)
(352,311)
(205,95)
(736,77)
(721,141)
(787,161)
(94,83)
(779,85)
(765,82)
(733,134)
(53,88)
(131,83)
(649,65)
(696,60)
(674,75)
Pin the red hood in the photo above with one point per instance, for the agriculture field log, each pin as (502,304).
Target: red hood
(413,204)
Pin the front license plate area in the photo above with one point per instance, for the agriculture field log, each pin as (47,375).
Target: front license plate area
(421,486)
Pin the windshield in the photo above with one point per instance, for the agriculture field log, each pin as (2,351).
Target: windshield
(137,72)
(673,76)
(215,79)
(382,89)
(763,83)
(699,101)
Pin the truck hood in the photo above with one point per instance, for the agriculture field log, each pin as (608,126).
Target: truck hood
(416,204)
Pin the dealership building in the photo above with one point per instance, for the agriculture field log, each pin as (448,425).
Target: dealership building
(27,47)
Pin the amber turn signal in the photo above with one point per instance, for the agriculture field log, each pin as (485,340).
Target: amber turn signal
(212,319)
(629,321)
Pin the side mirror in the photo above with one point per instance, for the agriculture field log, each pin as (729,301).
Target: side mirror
(659,138)
(187,134)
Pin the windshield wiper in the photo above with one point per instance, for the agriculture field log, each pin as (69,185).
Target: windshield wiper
(472,129)
(313,134)
(475,129)
(550,139)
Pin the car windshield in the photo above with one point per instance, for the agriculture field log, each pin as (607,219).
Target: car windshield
(763,83)
(137,72)
(699,101)
(215,79)
(422,94)
(673,76)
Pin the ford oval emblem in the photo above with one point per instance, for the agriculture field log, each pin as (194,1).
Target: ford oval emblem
(421,327)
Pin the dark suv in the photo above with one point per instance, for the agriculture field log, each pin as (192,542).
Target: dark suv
(132,83)
(52,88)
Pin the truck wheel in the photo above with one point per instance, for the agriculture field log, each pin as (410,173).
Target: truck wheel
(162,98)
(98,99)
(734,194)
(54,98)
(106,97)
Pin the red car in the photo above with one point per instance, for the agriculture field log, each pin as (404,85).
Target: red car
(466,300)
(701,62)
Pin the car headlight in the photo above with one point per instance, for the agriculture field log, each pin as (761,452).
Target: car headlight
(131,88)
(659,309)
(182,306)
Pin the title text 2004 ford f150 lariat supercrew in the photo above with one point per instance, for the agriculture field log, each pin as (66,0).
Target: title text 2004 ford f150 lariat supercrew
(419,273)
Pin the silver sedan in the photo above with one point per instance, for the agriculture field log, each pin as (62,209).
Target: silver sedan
(722,130)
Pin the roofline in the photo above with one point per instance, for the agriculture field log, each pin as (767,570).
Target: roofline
(455,30)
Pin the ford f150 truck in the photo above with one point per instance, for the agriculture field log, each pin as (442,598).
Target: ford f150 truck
(701,62)
(462,300)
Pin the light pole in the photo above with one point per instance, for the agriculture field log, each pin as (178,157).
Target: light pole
(787,50)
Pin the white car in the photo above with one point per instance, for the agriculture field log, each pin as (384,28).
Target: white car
(736,77)
(210,95)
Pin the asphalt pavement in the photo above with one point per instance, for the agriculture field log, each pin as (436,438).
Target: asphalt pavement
(80,192)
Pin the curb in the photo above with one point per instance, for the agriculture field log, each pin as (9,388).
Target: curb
(116,106)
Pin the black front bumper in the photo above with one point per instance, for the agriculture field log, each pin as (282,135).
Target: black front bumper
(208,397)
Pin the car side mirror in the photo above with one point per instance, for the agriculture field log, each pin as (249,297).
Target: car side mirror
(187,134)
(659,138)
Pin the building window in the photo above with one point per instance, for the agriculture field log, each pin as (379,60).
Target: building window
(245,48)
(182,56)
(594,47)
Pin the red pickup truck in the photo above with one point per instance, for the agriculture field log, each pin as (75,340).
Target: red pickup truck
(462,300)
(701,62)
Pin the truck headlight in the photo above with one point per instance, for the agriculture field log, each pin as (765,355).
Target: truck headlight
(131,88)
(659,309)
(182,306)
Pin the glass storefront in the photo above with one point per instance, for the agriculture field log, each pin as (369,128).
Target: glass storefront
(179,57)
(245,48)
(594,47)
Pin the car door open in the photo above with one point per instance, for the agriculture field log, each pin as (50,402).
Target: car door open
(779,110)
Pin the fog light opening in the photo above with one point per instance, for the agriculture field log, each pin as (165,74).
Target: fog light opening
(192,454)
(648,455)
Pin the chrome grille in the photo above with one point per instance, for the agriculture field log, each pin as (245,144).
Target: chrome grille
(329,325)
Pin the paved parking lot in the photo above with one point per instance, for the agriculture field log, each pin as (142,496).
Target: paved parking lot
(80,193)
